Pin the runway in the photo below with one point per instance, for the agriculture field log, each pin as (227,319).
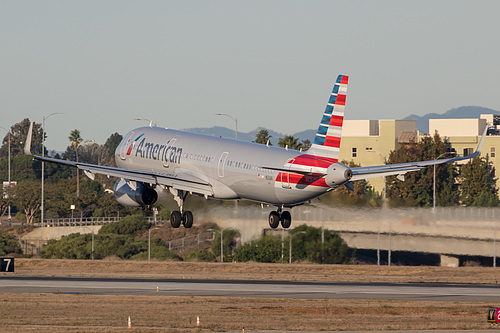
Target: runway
(252,288)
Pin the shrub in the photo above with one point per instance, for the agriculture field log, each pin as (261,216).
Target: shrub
(201,255)
(9,244)
(130,225)
(265,249)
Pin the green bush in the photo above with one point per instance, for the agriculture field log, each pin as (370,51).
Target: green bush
(307,246)
(201,255)
(265,249)
(9,244)
(130,225)
(73,246)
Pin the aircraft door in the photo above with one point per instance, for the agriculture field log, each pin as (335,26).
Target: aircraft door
(126,146)
(222,163)
(285,176)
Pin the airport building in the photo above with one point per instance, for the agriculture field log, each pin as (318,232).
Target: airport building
(369,142)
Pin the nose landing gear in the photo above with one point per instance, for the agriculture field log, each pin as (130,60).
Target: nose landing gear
(275,217)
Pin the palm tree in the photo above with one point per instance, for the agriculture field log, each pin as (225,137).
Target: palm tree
(263,137)
(290,142)
(76,139)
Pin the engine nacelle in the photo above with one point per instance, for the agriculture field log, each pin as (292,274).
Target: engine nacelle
(337,174)
(142,195)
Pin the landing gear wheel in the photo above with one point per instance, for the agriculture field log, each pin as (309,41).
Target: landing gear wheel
(175,219)
(286,219)
(187,219)
(274,219)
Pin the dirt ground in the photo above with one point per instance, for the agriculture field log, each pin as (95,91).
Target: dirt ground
(54,312)
(96,313)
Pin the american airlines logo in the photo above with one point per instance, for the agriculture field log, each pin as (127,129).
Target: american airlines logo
(155,151)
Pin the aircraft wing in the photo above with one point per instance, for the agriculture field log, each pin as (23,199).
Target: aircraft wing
(184,182)
(402,168)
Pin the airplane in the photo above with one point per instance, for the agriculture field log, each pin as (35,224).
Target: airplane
(149,158)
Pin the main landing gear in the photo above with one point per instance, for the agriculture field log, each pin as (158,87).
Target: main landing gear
(178,217)
(275,217)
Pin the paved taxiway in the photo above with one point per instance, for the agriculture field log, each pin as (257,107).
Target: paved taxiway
(251,288)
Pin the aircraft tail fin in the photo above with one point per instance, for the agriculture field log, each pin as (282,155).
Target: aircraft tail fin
(327,140)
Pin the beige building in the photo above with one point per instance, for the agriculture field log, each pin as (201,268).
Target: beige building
(369,142)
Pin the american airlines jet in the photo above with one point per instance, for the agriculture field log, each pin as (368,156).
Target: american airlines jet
(185,163)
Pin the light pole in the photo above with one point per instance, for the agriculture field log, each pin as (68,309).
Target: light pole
(221,243)
(149,242)
(8,132)
(434,183)
(291,236)
(92,241)
(233,118)
(42,208)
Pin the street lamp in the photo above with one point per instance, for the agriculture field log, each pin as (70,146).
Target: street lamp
(8,132)
(221,243)
(434,182)
(92,241)
(149,242)
(291,236)
(233,118)
(42,209)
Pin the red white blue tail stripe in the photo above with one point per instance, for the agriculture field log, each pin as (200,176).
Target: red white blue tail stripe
(326,147)
(327,140)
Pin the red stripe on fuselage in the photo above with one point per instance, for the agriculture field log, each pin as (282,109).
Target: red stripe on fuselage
(294,178)
(314,161)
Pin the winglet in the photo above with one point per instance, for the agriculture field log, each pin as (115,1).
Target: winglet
(27,145)
(480,144)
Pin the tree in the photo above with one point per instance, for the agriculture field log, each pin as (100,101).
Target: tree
(478,183)
(263,137)
(290,142)
(111,144)
(27,197)
(75,138)
(306,144)
(362,193)
(417,188)
(19,133)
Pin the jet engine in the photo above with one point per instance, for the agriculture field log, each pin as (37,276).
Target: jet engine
(134,194)
(337,174)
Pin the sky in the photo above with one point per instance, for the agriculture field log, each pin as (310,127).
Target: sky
(267,63)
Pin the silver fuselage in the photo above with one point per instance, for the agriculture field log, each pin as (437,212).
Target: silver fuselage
(233,168)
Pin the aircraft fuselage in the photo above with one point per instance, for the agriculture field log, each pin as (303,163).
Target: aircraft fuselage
(233,168)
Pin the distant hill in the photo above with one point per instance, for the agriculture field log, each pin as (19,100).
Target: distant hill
(461,112)
(250,136)
(422,125)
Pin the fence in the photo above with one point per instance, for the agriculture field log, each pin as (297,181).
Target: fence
(190,241)
(86,221)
